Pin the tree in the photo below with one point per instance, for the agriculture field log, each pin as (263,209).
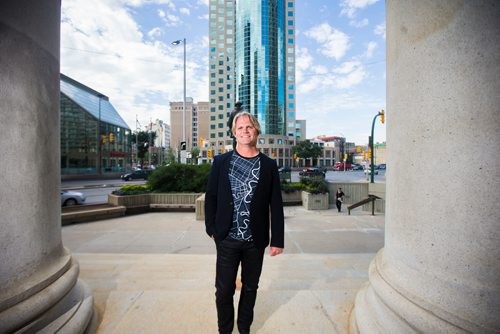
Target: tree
(170,158)
(195,152)
(307,150)
(143,143)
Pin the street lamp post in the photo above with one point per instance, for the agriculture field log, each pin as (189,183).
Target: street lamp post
(177,42)
(372,169)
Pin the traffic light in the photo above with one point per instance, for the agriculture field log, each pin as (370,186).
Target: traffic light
(201,141)
(345,156)
(369,153)
(103,139)
(111,137)
(358,148)
(209,153)
(382,116)
(364,155)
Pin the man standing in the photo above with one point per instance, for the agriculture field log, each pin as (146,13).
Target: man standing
(243,185)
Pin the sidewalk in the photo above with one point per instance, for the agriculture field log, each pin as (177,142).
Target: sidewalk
(154,273)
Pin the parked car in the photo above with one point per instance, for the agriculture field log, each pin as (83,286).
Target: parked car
(139,174)
(340,166)
(312,172)
(357,167)
(381,166)
(69,198)
(284,169)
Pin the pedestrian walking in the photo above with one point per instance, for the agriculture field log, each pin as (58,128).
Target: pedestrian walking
(339,196)
(243,185)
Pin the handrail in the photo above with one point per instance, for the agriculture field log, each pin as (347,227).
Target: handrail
(371,198)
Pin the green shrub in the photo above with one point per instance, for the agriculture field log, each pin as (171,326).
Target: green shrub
(176,178)
(316,186)
(291,187)
(132,189)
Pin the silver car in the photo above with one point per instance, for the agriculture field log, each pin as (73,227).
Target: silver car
(69,198)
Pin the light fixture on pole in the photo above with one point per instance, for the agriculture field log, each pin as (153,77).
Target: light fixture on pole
(177,42)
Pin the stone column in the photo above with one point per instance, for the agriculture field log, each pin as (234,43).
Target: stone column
(439,271)
(39,286)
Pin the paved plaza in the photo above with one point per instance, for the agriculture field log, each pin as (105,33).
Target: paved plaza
(154,273)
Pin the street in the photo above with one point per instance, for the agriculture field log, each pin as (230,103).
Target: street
(97,191)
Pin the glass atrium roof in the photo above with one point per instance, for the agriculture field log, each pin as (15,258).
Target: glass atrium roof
(88,99)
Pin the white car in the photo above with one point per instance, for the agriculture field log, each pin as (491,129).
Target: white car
(367,171)
(69,198)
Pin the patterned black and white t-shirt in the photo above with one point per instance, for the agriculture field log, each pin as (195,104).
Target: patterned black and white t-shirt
(243,176)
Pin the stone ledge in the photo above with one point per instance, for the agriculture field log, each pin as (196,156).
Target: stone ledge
(92,214)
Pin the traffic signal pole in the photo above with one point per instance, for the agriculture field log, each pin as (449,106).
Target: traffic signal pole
(382,114)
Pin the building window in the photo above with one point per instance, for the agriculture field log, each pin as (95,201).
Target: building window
(290,96)
(262,141)
(291,105)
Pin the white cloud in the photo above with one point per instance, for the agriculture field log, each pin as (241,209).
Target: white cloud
(170,20)
(370,48)
(107,52)
(380,30)
(155,33)
(359,24)
(350,7)
(203,17)
(334,43)
(185,11)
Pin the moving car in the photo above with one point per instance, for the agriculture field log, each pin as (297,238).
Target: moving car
(340,166)
(69,198)
(312,172)
(139,174)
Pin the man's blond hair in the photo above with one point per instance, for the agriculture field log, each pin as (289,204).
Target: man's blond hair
(252,118)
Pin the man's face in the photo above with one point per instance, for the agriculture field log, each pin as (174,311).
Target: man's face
(245,132)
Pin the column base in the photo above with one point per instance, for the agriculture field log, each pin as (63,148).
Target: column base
(381,308)
(64,306)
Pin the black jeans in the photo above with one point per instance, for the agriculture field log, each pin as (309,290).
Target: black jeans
(339,205)
(230,253)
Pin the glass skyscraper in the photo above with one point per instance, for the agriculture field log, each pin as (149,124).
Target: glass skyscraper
(252,60)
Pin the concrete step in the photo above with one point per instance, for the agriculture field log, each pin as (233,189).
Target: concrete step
(174,293)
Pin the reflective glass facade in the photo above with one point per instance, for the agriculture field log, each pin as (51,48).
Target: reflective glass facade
(94,138)
(260,62)
(252,60)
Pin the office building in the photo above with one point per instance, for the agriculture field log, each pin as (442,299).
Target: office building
(252,60)
(196,123)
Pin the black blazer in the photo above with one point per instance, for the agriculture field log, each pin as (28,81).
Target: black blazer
(219,203)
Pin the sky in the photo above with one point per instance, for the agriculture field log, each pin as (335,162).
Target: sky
(122,48)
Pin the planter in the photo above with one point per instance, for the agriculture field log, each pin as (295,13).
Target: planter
(155,201)
(292,197)
(314,201)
